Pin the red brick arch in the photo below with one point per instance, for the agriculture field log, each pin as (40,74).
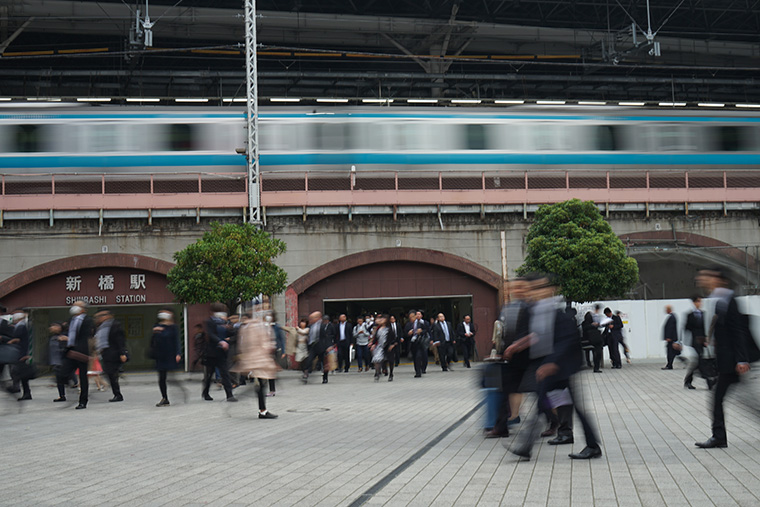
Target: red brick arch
(78,262)
(396,254)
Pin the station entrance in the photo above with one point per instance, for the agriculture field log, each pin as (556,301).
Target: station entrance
(454,308)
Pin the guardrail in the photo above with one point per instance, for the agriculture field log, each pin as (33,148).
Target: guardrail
(27,192)
(281,189)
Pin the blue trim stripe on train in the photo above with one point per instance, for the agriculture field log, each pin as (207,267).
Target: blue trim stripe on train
(345,159)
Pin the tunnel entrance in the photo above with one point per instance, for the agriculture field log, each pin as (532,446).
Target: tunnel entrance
(453,307)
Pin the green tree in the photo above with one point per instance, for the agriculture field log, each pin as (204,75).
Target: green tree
(230,263)
(571,240)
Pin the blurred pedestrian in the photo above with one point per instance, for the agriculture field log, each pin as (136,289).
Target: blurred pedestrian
(321,339)
(166,351)
(361,339)
(380,346)
(614,332)
(695,325)
(466,337)
(81,329)
(592,336)
(670,335)
(216,351)
(302,333)
(22,339)
(256,350)
(110,340)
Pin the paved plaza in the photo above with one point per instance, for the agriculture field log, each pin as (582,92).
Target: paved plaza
(352,441)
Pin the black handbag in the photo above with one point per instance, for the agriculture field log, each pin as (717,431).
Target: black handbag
(25,370)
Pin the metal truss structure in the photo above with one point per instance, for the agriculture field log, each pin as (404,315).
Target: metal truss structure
(677,50)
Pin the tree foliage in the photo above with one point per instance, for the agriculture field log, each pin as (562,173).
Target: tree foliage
(231,262)
(571,240)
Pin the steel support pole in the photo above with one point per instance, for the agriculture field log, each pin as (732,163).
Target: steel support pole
(252,114)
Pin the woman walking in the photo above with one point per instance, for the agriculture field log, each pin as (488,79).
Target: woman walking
(166,350)
(380,344)
(256,348)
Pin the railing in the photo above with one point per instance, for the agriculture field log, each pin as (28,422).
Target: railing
(25,192)
(280,189)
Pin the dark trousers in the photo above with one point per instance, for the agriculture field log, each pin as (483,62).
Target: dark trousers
(111,369)
(260,385)
(344,358)
(308,363)
(672,353)
(420,358)
(362,355)
(565,421)
(613,347)
(598,353)
(725,380)
(467,351)
(700,364)
(69,366)
(162,384)
(445,353)
(397,354)
(224,374)
(511,377)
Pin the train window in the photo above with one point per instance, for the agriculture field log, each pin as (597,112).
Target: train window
(181,137)
(330,136)
(102,137)
(609,138)
(734,138)
(547,136)
(28,138)
(475,137)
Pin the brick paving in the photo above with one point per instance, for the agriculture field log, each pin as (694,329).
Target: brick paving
(334,442)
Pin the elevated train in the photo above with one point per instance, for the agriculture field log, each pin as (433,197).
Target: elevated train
(75,140)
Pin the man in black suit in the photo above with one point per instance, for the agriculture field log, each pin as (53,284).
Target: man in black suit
(21,335)
(731,347)
(217,347)
(344,334)
(670,335)
(614,334)
(418,334)
(695,324)
(398,333)
(466,337)
(81,329)
(110,340)
(445,340)
(321,338)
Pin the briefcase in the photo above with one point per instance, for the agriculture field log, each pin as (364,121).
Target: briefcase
(77,356)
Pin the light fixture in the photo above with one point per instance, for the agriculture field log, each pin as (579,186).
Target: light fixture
(550,102)
(592,103)
(422,101)
(93,99)
(191,100)
(377,101)
(236,99)
(631,103)
(673,104)
(5,99)
(509,102)
(43,99)
(284,99)
(711,104)
(466,101)
(142,99)
(333,101)
(737,105)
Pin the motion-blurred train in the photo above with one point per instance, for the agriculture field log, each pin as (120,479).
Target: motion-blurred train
(161,140)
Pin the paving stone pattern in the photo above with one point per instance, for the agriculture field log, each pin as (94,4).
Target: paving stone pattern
(218,453)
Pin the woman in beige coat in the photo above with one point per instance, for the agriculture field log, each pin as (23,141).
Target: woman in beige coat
(256,358)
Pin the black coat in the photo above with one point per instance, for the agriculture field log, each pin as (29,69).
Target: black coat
(166,347)
(730,337)
(216,332)
(349,334)
(670,332)
(21,332)
(695,324)
(592,334)
(84,333)
(460,332)
(326,338)
(440,336)
(567,353)
(117,344)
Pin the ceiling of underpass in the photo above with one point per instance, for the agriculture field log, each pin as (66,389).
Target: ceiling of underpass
(709,50)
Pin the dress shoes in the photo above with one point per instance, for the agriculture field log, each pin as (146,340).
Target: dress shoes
(163,403)
(116,398)
(61,398)
(687,385)
(24,398)
(666,368)
(712,443)
(267,415)
(232,399)
(598,371)
(324,380)
(524,454)
(550,432)
(418,375)
(81,406)
(206,397)
(587,453)
(561,440)
(495,434)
